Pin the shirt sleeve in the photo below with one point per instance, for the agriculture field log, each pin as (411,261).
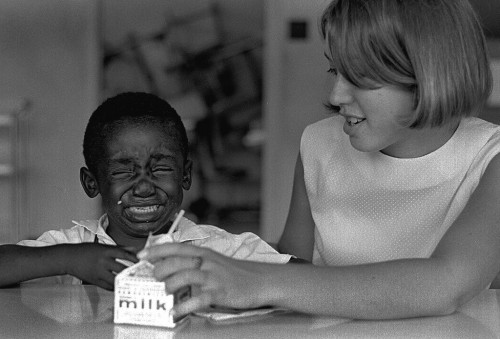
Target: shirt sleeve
(72,235)
(46,239)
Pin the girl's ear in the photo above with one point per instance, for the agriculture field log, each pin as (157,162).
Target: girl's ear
(186,175)
(89,182)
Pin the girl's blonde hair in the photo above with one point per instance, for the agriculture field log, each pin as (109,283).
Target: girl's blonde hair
(434,48)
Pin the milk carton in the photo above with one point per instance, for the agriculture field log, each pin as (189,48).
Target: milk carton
(142,300)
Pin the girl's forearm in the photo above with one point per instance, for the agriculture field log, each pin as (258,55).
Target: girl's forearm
(21,263)
(397,289)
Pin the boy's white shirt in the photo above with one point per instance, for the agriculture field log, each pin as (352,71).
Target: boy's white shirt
(244,246)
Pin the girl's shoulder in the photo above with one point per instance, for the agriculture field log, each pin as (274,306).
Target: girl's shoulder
(479,124)
(480,131)
(480,141)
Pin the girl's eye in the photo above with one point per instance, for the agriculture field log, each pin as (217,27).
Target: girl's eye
(333,71)
(333,109)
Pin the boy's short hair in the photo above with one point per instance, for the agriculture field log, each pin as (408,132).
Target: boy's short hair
(434,48)
(129,107)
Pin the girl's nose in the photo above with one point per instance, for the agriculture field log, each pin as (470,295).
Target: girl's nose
(341,93)
(144,188)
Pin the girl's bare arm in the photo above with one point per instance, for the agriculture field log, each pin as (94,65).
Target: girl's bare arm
(465,261)
(298,235)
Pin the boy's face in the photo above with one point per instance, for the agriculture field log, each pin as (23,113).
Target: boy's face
(147,172)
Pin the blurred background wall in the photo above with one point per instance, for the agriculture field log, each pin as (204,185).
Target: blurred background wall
(246,79)
(205,58)
(59,59)
(49,55)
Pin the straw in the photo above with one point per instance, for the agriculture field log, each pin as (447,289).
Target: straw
(176,222)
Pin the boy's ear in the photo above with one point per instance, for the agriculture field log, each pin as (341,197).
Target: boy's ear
(186,176)
(89,182)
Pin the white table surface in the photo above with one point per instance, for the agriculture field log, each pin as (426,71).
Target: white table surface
(64,311)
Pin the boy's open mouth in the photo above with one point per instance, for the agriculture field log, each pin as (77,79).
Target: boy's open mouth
(144,213)
(144,209)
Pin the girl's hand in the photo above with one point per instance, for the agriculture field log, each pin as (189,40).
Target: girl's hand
(219,280)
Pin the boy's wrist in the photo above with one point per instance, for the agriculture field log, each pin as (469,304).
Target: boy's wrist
(63,255)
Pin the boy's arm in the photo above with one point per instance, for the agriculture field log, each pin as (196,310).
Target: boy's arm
(21,263)
(94,263)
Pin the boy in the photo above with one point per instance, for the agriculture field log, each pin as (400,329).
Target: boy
(136,151)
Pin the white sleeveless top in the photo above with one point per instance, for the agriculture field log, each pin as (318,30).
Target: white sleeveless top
(370,207)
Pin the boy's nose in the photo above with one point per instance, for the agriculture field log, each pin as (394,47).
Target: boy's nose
(144,188)
(341,93)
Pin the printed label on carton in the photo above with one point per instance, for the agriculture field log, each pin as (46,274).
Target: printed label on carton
(142,300)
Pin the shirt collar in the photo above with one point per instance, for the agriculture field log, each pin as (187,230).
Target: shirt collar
(97,227)
(189,231)
(186,231)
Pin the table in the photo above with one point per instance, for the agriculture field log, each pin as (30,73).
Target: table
(65,311)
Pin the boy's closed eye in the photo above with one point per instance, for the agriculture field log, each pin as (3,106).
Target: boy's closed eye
(162,170)
(122,174)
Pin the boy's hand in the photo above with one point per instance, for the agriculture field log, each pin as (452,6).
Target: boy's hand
(96,263)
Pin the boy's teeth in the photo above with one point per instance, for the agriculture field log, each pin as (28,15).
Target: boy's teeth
(145,209)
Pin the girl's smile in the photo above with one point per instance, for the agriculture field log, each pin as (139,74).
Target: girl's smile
(374,119)
(352,124)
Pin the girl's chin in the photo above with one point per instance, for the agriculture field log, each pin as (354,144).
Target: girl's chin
(362,147)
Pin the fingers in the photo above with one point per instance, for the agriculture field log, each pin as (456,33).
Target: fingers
(170,265)
(120,253)
(193,304)
(115,266)
(131,249)
(197,262)
(155,253)
(185,278)
(102,278)
(110,286)
(124,254)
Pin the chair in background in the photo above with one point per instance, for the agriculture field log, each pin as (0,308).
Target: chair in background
(216,86)
(227,76)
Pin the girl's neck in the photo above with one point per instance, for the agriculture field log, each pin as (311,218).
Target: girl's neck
(423,141)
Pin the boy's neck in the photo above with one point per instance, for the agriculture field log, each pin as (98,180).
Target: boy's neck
(125,240)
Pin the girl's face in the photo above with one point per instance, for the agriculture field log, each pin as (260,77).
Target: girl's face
(373,119)
(146,172)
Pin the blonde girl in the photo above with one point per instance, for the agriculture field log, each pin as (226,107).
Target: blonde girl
(395,195)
